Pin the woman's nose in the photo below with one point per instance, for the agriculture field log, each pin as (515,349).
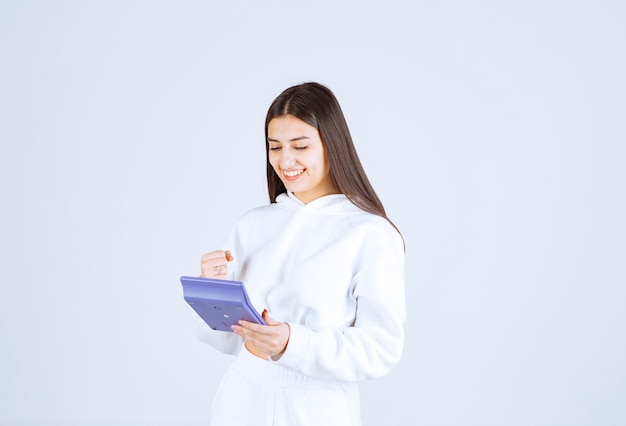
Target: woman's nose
(286,159)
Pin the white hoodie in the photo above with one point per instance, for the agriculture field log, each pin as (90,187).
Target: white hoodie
(330,270)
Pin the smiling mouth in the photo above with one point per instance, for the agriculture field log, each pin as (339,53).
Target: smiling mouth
(292,173)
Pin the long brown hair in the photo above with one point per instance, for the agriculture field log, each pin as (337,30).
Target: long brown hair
(317,106)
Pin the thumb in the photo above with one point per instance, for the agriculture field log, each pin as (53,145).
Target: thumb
(228,255)
(269,320)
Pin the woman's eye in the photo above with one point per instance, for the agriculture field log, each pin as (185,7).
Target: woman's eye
(274,148)
(300,148)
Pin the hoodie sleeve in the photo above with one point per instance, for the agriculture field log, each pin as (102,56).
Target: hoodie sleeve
(224,341)
(373,345)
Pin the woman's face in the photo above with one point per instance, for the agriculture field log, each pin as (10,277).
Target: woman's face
(297,155)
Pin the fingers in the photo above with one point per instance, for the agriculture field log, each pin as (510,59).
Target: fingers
(268,320)
(270,344)
(214,264)
(271,339)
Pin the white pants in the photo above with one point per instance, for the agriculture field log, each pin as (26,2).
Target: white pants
(260,393)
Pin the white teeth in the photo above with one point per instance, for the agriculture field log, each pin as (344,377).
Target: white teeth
(292,173)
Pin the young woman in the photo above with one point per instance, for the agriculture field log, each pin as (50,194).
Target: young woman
(324,264)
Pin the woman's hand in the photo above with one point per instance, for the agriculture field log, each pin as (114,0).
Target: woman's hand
(214,264)
(271,339)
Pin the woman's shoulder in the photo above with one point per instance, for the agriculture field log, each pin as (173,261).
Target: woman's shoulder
(378,241)
(371,227)
(360,217)
(374,226)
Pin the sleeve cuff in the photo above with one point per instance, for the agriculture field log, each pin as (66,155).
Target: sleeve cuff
(296,347)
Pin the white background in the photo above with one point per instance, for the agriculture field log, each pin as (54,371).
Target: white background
(494,132)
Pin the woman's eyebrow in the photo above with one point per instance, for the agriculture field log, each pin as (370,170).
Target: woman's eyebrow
(299,138)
